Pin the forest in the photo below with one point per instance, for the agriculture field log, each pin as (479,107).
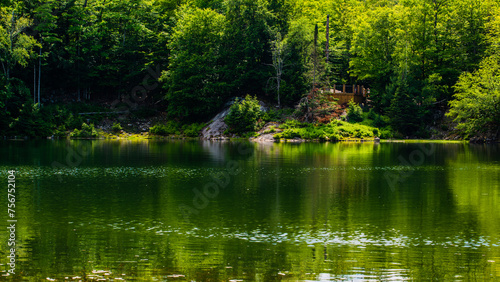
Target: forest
(424,61)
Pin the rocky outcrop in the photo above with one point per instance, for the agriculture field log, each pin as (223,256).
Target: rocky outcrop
(266,134)
(216,127)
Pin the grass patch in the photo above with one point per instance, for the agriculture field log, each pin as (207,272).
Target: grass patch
(334,131)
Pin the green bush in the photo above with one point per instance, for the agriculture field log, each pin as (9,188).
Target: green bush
(333,131)
(174,128)
(386,133)
(87,131)
(292,123)
(271,129)
(354,112)
(334,137)
(377,119)
(60,131)
(275,115)
(74,121)
(192,130)
(170,128)
(117,127)
(159,129)
(288,134)
(244,115)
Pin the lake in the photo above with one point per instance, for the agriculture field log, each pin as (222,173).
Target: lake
(219,211)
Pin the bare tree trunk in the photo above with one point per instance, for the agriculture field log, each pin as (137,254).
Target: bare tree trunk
(279,103)
(278,49)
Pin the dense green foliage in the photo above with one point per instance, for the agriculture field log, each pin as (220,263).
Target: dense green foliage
(116,127)
(175,128)
(333,131)
(410,54)
(86,131)
(193,80)
(476,107)
(354,112)
(244,115)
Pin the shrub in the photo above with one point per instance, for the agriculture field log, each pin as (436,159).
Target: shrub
(87,131)
(378,120)
(244,115)
(354,112)
(193,130)
(159,129)
(275,115)
(292,123)
(333,131)
(174,128)
(117,127)
(170,128)
(287,134)
(271,129)
(31,122)
(60,131)
(74,121)
(386,133)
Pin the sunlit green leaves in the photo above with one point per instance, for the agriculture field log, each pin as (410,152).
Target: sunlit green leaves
(16,47)
(476,107)
(193,81)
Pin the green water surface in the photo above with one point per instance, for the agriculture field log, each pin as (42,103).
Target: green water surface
(212,211)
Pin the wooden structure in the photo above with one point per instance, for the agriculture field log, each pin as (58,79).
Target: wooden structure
(345,93)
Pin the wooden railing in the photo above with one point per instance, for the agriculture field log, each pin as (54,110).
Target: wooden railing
(345,93)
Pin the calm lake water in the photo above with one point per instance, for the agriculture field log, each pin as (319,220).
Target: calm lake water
(211,211)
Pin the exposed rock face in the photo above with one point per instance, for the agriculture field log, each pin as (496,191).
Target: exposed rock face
(216,127)
(266,133)
(264,138)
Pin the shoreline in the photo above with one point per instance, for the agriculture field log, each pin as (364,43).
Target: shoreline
(140,137)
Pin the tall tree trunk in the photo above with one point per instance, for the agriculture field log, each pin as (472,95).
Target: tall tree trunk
(315,56)
(34,83)
(78,57)
(11,37)
(39,74)
(78,68)
(327,37)
(4,69)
